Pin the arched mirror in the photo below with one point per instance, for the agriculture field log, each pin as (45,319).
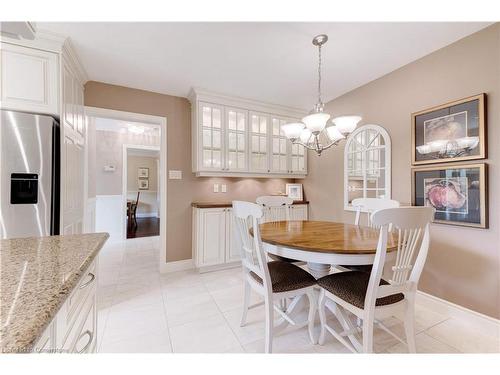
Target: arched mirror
(367,164)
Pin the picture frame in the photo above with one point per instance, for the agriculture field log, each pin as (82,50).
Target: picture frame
(451,132)
(458,192)
(295,191)
(143,172)
(143,184)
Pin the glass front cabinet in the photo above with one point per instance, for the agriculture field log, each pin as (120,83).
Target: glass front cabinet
(237,140)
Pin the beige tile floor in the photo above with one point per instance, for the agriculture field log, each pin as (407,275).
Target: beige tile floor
(143,311)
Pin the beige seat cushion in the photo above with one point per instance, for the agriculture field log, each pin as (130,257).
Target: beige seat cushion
(286,277)
(351,286)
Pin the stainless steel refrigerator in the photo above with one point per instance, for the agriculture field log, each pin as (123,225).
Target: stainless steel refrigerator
(29,173)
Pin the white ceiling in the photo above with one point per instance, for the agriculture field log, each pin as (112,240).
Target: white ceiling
(272,62)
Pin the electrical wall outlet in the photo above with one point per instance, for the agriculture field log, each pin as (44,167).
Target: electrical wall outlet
(223,188)
(216,188)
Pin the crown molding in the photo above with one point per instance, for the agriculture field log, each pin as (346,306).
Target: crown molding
(197,94)
(68,51)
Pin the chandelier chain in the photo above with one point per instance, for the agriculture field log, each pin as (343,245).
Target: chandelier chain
(319,74)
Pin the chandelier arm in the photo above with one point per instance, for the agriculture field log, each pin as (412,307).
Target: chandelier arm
(334,143)
(309,147)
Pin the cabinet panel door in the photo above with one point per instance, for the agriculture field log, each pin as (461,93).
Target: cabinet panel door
(212,236)
(210,119)
(236,137)
(29,79)
(233,242)
(299,212)
(259,143)
(279,147)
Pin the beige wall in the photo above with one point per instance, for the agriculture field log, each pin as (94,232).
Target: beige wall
(180,192)
(464,263)
(109,151)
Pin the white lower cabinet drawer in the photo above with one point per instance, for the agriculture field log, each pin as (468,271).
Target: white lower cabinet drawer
(74,328)
(82,337)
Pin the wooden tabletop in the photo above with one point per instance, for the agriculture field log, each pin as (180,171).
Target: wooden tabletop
(324,237)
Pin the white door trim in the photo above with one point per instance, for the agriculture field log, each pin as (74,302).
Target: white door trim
(126,147)
(154,120)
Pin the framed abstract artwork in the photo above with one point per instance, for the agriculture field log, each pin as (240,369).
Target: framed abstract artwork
(459,193)
(454,131)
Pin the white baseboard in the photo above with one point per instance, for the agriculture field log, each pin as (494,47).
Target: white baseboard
(219,267)
(484,323)
(180,265)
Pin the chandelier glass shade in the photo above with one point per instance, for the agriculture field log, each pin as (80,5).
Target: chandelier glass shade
(307,132)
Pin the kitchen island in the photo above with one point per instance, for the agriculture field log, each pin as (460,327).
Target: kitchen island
(48,293)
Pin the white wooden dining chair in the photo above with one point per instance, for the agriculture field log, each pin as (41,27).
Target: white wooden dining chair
(370,205)
(274,280)
(371,298)
(275,207)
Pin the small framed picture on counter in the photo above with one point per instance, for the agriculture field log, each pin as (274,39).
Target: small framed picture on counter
(294,191)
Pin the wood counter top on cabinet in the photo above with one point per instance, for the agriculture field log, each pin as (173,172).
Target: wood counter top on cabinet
(226,204)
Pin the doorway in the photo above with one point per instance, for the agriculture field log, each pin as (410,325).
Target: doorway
(141,186)
(113,135)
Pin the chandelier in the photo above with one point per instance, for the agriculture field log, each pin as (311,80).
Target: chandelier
(307,132)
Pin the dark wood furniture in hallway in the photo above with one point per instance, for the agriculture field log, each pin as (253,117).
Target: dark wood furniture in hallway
(145,227)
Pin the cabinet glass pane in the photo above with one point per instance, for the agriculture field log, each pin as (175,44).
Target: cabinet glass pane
(263,125)
(216,159)
(241,122)
(263,144)
(255,124)
(255,143)
(241,142)
(276,127)
(216,139)
(207,116)
(232,160)
(216,118)
(207,138)
(231,120)
(283,146)
(283,163)
(241,159)
(207,158)
(232,141)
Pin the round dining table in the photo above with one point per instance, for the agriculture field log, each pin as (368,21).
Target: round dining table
(323,243)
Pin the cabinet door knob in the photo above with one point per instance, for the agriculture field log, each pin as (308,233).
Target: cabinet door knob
(92,278)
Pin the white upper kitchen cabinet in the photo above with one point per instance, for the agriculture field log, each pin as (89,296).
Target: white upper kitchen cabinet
(29,79)
(234,137)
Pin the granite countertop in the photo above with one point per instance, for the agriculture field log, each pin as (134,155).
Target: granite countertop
(36,277)
(226,204)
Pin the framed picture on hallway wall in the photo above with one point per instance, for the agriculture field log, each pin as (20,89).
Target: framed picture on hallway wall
(454,131)
(143,172)
(457,192)
(143,184)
